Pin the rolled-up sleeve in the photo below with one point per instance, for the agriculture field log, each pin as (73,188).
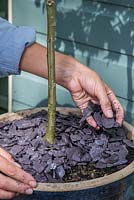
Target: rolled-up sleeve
(13,41)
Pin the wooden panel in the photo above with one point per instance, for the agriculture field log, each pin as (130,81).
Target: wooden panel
(99,25)
(36,95)
(108,70)
(91,23)
(96,44)
(26,13)
(116,69)
(125,3)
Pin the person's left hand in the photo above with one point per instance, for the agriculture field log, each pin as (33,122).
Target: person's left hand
(86,86)
(13,179)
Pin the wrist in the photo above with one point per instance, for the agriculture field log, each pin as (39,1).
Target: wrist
(66,69)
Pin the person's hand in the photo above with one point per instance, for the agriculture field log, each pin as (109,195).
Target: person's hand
(85,85)
(13,180)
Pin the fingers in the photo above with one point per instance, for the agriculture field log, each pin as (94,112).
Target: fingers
(92,122)
(115,105)
(6,195)
(9,184)
(109,103)
(104,101)
(15,172)
(5,154)
(8,156)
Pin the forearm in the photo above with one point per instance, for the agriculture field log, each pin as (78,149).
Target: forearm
(34,60)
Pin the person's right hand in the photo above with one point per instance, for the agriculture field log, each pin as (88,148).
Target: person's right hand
(85,85)
(13,180)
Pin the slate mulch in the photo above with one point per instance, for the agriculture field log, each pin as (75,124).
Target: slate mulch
(79,152)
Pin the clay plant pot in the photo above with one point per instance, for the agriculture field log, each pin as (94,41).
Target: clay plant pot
(110,187)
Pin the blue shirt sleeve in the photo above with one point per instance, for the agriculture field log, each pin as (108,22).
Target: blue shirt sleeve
(13,41)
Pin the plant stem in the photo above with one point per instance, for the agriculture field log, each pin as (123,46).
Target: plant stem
(51,21)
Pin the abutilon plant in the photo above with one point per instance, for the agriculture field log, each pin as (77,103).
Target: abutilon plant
(51,28)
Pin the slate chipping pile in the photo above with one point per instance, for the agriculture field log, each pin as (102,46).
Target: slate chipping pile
(76,144)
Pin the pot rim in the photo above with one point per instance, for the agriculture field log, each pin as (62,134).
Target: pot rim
(79,185)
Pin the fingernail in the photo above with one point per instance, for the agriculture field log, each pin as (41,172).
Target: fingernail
(33,184)
(109,113)
(18,165)
(29,191)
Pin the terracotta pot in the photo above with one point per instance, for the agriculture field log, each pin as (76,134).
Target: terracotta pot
(111,187)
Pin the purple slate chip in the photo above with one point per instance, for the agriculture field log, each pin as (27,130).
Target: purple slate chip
(98,118)
(86,158)
(60,172)
(107,122)
(100,164)
(2,124)
(89,110)
(75,137)
(23,124)
(114,146)
(37,166)
(129,143)
(112,159)
(96,153)
(16,149)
